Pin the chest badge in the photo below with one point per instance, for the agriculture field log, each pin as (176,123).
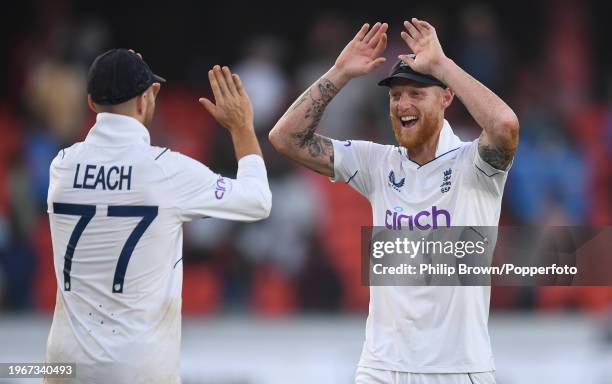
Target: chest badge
(446,181)
(395,184)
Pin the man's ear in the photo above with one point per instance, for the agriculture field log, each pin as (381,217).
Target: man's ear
(447,97)
(141,102)
(155,87)
(91,104)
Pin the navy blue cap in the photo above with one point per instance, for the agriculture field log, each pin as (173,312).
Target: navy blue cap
(402,70)
(117,76)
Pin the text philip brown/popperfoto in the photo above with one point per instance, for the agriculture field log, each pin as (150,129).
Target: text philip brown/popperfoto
(458,249)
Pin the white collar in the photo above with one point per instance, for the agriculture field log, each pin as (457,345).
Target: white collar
(117,130)
(447,141)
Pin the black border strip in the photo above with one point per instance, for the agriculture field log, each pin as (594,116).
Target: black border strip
(164,151)
(175,264)
(491,175)
(434,159)
(351,178)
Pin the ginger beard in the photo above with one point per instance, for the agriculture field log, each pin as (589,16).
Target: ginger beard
(417,112)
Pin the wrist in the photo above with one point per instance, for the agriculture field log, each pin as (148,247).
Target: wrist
(241,128)
(245,141)
(441,68)
(338,76)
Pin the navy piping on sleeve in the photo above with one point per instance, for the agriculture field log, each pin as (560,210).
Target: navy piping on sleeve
(479,234)
(177,262)
(63,153)
(164,151)
(470,377)
(351,178)
(491,175)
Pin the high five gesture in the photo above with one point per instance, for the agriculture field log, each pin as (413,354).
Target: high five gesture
(294,135)
(233,110)
(362,54)
(500,125)
(422,39)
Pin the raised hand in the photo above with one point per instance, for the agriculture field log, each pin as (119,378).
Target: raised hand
(422,39)
(233,108)
(363,53)
(137,54)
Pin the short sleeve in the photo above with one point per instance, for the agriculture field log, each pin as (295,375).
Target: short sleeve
(352,161)
(483,174)
(198,192)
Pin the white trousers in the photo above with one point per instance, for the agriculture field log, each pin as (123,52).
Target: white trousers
(377,376)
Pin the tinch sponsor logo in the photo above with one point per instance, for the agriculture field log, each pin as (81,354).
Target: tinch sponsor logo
(395,184)
(421,220)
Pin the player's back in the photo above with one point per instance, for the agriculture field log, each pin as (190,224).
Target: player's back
(117,243)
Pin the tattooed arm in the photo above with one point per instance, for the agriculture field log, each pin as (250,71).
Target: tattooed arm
(500,126)
(294,134)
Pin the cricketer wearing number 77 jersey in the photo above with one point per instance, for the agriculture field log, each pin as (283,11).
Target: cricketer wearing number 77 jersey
(116,207)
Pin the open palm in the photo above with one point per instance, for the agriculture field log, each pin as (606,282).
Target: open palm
(362,54)
(422,39)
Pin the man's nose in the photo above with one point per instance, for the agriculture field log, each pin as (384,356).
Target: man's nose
(404,103)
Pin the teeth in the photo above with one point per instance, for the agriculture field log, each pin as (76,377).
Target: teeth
(408,118)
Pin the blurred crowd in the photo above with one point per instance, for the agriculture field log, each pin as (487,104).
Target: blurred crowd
(305,257)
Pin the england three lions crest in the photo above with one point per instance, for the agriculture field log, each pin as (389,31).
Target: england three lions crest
(446,181)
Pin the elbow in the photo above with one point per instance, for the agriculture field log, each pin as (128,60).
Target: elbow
(262,205)
(507,129)
(510,123)
(277,140)
(266,204)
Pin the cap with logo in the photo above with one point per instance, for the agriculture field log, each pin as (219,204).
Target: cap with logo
(402,70)
(118,75)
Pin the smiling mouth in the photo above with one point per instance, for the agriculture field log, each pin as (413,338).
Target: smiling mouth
(408,121)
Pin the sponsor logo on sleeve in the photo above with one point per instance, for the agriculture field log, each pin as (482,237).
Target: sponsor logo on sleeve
(220,188)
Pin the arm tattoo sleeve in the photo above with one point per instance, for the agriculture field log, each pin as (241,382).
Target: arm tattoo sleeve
(317,145)
(499,158)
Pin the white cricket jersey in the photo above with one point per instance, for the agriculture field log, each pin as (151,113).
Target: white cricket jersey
(116,206)
(425,329)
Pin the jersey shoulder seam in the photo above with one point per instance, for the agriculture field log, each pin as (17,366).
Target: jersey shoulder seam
(61,155)
(161,167)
